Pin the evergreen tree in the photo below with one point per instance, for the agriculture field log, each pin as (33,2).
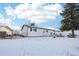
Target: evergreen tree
(70,17)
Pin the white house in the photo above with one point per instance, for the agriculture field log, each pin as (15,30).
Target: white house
(36,31)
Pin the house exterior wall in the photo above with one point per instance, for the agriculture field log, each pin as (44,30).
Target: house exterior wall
(49,33)
(45,32)
(26,31)
(9,32)
(39,32)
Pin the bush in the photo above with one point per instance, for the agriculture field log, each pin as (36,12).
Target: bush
(18,35)
(70,35)
(59,35)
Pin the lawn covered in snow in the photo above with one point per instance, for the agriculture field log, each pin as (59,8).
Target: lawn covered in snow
(40,46)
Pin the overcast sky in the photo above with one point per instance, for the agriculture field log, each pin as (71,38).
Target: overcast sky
(45,15)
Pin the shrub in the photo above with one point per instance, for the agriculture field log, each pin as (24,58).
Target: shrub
(70,35)
(59,35)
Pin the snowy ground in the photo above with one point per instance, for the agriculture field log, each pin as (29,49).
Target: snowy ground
(39,46)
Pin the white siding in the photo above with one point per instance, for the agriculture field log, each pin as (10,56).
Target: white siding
(45,33)
(24,31)
(49,33)
(39,32)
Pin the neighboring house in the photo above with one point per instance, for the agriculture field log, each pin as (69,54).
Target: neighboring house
(5,30)
(36,31)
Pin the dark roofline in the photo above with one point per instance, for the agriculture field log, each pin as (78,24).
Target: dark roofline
(37,28)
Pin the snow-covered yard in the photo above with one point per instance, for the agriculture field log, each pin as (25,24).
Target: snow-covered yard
(41,46)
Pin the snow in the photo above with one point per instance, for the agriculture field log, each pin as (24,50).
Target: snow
(65,33)
(39,46)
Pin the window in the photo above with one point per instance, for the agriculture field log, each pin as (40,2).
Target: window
(35,29)
(46,30)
